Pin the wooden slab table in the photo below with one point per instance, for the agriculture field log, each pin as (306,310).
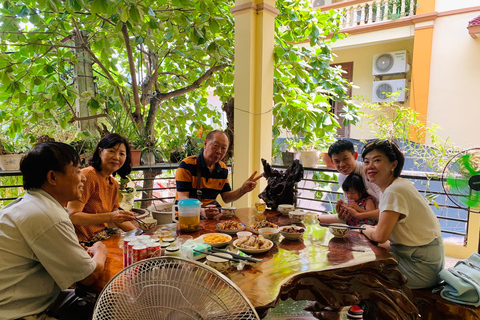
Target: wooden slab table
(334,272)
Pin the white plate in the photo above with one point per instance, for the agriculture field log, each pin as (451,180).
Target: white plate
(256,231)
(232,231)
(218,244)
(251,251)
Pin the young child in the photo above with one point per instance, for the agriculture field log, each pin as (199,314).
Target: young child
(359,201)
(344,157)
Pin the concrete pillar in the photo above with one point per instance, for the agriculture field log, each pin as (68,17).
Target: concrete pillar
(84,83)
(254,44)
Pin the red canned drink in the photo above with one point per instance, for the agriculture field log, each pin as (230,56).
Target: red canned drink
(130,246)
(154,250)
(126,255)
(140,253)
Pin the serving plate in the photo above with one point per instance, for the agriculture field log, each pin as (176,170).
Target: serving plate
(217,244)
(253,251)
(292,235)
(231,231)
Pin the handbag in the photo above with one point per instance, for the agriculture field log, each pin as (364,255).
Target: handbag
(463,281)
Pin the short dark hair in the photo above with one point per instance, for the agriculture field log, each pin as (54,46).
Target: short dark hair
(340,146)
(44,157)
(110,141)
(212,133)
(390,149)
(355,181)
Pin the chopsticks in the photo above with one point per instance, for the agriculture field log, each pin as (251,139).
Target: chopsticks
(211,254)
(136,219)
(346,226)
(236,255)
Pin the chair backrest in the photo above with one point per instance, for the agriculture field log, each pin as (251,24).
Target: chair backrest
(171,288)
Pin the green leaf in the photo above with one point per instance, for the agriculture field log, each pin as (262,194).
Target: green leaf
(134,15)
(124,16)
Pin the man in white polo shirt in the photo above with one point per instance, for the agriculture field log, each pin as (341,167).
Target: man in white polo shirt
(39,252)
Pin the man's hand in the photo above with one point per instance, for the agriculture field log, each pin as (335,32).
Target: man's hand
(341,209)
(352,212)
(250,184)
(120,216)
(97,247)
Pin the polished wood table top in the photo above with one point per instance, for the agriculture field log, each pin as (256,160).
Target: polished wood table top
(332,271)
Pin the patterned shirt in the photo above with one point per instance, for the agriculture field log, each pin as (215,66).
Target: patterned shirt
(357,222)
(211,185)
(99,196)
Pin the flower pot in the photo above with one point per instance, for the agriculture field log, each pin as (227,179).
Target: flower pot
(136,157)
(10,162)
(326,159)
(310,158)
(287,158)
(148,158)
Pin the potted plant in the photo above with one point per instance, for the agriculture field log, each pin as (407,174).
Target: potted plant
(12,150)
(309,154)
(289,154)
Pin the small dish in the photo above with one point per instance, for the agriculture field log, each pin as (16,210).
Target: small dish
(269,233)
(252,251)
(218,263)
(217,236)
(339,230)
(285,208)
(241,234)
(230,228)
(262,224)
(292,232)
(148,224)
(297,216)
(229,211)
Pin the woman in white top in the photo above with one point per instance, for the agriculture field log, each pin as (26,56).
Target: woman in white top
(405,217)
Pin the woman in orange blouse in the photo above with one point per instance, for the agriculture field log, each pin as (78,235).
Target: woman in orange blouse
(99,203)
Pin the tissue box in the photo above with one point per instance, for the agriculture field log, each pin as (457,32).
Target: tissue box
(187,251)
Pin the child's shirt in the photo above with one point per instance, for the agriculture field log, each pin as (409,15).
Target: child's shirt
(356,222)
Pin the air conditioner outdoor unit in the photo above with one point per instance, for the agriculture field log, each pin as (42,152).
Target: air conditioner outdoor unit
(390,63)
(381,89)
(319,3)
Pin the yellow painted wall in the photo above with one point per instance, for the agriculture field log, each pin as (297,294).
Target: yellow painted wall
(362,58)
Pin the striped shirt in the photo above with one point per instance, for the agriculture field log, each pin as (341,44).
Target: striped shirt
(212,184)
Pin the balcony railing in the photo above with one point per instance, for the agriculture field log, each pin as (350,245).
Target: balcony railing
(317,192)
(371,12)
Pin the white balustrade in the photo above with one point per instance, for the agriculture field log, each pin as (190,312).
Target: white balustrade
(370,12)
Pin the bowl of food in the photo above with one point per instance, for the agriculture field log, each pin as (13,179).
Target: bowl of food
(269,233)
(297,216)
(230,227)
(285,208)
(292,232)
(253,244)
(218,263)
(262,224)
(147,224)
(339,230)
(216,239)
(229,211)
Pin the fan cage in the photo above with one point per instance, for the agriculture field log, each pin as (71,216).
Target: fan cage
(384,62)
(171,288)
(455,180)
(383,90)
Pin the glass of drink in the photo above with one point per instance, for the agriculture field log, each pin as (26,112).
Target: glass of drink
(260,207)
(164,232)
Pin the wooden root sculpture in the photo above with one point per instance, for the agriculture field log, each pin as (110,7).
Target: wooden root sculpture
(281,185)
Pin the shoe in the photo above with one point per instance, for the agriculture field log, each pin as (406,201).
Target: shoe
(355,312)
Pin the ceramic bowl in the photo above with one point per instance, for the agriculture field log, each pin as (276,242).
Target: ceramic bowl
(339,230)
(218,263)
(148,224)
(269,233)
(219,239)
(241,234)
(285,208)
(297,216)
(229,211)
(292,232)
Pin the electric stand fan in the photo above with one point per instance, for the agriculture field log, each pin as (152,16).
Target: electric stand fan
(461,179)
(171,288)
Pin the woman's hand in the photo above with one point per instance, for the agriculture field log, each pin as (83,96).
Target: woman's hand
(120,216)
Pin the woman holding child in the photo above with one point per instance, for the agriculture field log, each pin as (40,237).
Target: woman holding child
(405,217)
(98,205)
